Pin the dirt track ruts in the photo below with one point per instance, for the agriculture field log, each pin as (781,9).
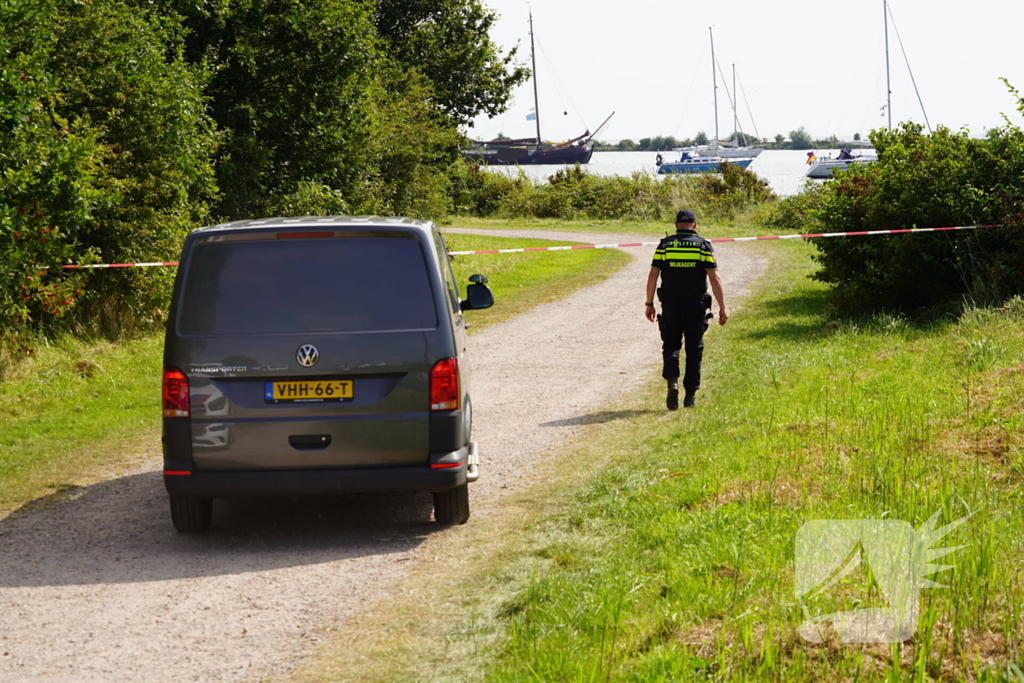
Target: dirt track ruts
(99,587)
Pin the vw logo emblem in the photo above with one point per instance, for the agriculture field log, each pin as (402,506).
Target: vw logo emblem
(307,355)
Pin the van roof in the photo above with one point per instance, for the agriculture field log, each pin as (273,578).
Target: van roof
(321,221)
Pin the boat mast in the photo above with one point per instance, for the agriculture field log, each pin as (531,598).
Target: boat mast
(533,61)
(714,81)
(888,83)
(735,116)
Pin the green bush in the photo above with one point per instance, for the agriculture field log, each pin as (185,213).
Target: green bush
(798,213)
(733,190)
(927,181)
(572,193)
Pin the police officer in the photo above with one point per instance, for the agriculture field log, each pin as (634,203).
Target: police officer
(686,262)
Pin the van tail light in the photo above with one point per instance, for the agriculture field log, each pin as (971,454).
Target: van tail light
(175,393)
(444,385)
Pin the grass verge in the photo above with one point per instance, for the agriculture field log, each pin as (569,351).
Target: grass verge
(664,547)
(76,410)
(522,281)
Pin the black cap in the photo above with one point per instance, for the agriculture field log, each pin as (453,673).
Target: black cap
(686,216)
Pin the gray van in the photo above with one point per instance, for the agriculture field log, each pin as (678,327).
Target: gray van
(317,356)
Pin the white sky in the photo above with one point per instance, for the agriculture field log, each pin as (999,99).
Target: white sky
(819,64)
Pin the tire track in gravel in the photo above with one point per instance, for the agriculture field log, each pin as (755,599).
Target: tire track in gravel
(98,586)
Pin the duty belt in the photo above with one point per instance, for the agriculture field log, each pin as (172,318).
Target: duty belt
(684,296)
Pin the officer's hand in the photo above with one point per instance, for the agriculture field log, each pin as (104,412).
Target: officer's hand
(651,313)
(723,316)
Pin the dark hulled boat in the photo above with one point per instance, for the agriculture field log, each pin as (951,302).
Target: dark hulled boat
(533,150)
(527,151)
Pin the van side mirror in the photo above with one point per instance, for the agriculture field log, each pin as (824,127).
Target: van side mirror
(478,294)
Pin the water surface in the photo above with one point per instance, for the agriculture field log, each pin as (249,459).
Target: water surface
(784,169)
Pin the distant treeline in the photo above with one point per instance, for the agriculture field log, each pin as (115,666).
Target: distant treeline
(797,139)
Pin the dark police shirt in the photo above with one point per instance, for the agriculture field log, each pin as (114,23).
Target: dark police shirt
(684,259)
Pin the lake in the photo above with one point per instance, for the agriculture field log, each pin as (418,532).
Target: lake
(784,169)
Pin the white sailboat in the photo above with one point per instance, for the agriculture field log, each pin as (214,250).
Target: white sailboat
(706,160)
(725,150)
(824,168)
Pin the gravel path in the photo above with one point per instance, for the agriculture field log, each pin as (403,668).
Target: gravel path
(99,587)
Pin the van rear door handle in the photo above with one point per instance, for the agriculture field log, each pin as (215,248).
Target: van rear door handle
(309,442)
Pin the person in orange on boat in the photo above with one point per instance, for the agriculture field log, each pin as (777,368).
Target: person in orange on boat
(811,158)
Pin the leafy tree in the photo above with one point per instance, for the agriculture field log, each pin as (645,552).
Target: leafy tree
(856,136)
(341,94)
(800,139)
(448,42)
(107,154)
(701,138)
(626,145)
(779,139)
(291,91)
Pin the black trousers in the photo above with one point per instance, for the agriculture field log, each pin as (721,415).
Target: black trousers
(681,320)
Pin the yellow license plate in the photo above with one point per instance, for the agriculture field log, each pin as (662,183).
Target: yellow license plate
(310,392)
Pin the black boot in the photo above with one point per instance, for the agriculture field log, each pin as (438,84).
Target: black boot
(672,400)
(690,399)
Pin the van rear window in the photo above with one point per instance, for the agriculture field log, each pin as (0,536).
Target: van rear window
(317,285)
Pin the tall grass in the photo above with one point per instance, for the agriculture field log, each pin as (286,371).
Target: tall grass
(677,562)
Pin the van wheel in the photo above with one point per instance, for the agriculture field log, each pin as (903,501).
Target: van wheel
(191,514)
(452,506)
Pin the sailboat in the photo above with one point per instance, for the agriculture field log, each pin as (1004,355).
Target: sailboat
(535,150)
(724,150)
(692,162)
(824,168)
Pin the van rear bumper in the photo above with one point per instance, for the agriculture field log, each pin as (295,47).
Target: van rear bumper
(421,478)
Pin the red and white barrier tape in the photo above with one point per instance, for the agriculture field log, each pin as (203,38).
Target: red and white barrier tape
(126,265)
(616,246)
(722,239)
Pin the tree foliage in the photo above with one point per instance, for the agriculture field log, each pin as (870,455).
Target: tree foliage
(107,154)
(447,42)
(660,144)
(800,139)
(291,93)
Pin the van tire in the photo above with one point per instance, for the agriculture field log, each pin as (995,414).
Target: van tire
(191,515)
(452,506)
